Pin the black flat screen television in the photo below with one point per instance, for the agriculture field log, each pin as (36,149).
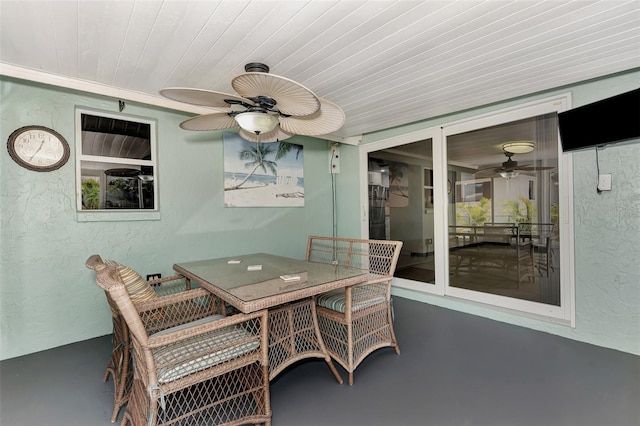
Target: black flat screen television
(610,120)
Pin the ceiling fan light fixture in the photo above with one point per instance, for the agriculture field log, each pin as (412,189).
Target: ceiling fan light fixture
(509,174)
(518,147)
(257,122)
(267,107)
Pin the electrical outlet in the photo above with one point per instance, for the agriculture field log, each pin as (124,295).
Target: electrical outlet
(334,158)
(155,276)
(604,182)
(429,241)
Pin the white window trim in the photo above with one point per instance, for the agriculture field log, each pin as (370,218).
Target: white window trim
(563,314)
(114,215)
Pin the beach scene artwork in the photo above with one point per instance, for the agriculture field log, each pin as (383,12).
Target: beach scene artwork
(398,184)
(262,174)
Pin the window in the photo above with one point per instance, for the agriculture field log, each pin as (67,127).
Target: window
(116,162)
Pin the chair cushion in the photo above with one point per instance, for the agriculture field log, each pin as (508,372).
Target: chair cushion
(201,352)
(336,301)
(138,288)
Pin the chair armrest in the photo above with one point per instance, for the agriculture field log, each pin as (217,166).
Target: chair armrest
(185,331)
(175,309)
(207,348)
(171,299)
(169,285)
(374,291)
(165,279)
(376,278)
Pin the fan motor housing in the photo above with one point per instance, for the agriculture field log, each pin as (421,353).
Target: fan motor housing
(256,67)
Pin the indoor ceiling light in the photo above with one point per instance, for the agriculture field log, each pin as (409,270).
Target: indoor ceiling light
(518,147)
(509,174)
(257,122)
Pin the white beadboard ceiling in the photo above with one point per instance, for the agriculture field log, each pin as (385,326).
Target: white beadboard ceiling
(386,63)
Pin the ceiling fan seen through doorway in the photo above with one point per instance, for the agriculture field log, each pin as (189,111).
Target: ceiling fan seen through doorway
(267,107)
(510,168)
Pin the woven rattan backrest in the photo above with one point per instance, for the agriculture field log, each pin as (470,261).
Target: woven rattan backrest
(375,256)
(108,278)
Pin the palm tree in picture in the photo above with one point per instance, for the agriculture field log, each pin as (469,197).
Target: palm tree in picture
(256,157)
(395,179)
(285,147)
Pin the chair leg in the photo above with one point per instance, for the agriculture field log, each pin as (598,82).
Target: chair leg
(394,342)
(116,406)
(323,348)
(114,415)
(393,334)
(108,371)
(126,419)
(116,397)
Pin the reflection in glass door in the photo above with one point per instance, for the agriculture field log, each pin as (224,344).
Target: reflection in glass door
(401,206)
(503,214)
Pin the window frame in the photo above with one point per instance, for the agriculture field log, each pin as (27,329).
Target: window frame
(88,215)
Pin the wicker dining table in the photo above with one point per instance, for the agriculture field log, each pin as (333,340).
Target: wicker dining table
(284,286)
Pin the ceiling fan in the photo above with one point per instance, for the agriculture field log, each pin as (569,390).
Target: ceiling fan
(267,107)
(509,168)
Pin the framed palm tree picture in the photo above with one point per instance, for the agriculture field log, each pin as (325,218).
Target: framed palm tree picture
(262,174)
(398,184)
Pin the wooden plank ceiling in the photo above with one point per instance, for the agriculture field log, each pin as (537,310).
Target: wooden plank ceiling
(386,63)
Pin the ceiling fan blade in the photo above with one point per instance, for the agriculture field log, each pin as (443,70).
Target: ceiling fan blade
(534,168)
(276,134)
(292,98)
(214,121)
(327,119)
(201,97)
(485,173)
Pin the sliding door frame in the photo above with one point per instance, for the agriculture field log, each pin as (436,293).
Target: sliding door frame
(563,314)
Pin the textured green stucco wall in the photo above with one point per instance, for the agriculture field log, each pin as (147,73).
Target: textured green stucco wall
(47,296)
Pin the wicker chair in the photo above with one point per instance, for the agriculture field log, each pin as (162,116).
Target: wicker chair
(357,320)
(192,366)
(119,365)
(541,236)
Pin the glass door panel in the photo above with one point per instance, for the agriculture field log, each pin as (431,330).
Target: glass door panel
(401,206)
(503,214)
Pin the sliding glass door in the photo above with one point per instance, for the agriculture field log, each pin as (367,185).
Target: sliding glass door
(481,206)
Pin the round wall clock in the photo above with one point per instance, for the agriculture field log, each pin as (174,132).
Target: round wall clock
(38,148)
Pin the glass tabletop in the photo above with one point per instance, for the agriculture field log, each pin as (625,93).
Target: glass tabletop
(234,275)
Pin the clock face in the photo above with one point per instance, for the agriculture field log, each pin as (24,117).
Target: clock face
(38,148)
